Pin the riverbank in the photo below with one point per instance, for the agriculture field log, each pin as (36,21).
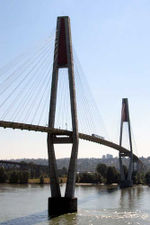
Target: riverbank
(99,184)
(45,180)
(64,180)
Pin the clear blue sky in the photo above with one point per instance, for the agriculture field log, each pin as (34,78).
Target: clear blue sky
(112,41)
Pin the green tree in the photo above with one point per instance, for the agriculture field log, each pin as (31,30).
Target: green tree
(14,177)
(41,180)
(62,172)
(32,173)
(3,176)
(89,178)
(147,177)
(140,178)
(23,177)
(100,178)
(101,169)
(112,175)
(37,172)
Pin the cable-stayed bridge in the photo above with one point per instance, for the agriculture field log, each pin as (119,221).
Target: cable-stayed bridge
(24,105)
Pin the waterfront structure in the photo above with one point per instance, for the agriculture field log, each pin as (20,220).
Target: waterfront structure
(63,58)
(125,181)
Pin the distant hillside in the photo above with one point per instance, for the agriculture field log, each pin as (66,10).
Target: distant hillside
(86,164)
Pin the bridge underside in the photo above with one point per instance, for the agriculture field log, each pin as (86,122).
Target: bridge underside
(22,164)
(54,131)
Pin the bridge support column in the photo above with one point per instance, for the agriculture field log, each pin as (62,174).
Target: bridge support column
(125,181)
(122,175)
(62,205)
(136,166)
(63,58)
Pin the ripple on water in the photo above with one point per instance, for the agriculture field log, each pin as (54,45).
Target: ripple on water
(25,206)
(85,217)
(112,217)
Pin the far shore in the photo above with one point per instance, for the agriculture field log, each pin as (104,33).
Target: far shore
(63,181)
(99,184)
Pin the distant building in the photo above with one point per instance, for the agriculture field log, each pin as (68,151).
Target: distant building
(108,156)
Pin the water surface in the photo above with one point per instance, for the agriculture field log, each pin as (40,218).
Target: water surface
(27,205)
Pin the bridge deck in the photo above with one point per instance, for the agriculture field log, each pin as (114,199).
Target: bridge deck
(31,165)
(30,127)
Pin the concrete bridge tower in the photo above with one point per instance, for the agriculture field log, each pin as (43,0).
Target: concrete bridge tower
(125,181)
(63,58)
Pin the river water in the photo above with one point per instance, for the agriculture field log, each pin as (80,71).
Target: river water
(27,205)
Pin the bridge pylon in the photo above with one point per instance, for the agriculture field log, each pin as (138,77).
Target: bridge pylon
(125,181)
(63,58)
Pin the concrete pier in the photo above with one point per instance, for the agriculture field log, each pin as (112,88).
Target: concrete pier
(126,183)
(62,205)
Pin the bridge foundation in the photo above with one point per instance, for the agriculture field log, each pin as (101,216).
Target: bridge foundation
(126,183)
(62,205)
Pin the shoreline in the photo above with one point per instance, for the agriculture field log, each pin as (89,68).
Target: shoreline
(94,184)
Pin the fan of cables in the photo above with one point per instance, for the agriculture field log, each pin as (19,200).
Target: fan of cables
(25,85)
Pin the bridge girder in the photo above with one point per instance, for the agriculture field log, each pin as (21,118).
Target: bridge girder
(30,127)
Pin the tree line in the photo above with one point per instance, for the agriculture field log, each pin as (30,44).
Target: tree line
(13,176)
(87,164)
(103,174)
(109,174)
(22,175)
